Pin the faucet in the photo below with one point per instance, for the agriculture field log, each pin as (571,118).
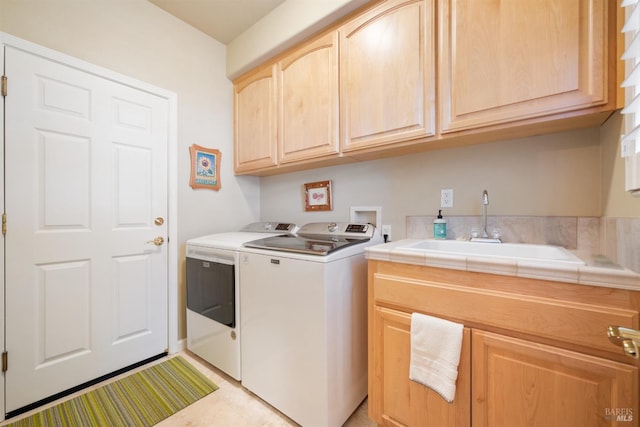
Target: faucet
(485,236)
(485,203)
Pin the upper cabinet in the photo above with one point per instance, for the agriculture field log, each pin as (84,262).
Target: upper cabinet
(287,112)
(255,121)
(387,74)
(513,60)
(308,101)
(403,76)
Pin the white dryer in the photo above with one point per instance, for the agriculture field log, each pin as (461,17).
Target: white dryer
(213,293)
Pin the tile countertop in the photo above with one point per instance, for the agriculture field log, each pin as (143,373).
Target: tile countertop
(597,271)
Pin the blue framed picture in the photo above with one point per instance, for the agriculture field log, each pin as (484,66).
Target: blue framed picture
(205,168)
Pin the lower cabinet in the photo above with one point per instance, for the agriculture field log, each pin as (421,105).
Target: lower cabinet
(522,383)
(505,378)
(400,401)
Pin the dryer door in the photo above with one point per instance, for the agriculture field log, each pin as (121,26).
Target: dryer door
(211,290)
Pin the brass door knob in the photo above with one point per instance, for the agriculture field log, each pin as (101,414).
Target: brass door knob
(158,241)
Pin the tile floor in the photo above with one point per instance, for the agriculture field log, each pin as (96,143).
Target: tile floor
(229,406)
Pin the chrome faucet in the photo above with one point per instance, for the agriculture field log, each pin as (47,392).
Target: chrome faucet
(485,203)
(485,236)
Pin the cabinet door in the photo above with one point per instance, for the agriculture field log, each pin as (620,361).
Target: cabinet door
(255,130)
(520,383)
(308,93)
(387,75)
(502,61)
(394,399)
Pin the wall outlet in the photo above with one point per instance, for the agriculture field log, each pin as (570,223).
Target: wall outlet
(446,198)
(386,231)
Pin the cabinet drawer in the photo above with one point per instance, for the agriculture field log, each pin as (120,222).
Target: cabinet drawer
(558,319)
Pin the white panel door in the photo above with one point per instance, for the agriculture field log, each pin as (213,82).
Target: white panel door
(86,176)
(2,295)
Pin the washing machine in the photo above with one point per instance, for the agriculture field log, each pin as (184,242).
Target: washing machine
(213,293)
(304,320)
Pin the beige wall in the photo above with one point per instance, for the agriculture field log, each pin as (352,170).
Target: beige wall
(557,174)
(136,38)
(615,201)
(289,23)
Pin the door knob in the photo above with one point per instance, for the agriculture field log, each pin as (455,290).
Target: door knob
(629,339)
(158,241)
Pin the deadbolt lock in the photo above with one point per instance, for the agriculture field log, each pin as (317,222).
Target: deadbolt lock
(158,221)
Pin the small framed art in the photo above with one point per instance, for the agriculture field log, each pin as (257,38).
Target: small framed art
(317,196)
(205,168)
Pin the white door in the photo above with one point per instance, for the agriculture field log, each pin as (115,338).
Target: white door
(86,178)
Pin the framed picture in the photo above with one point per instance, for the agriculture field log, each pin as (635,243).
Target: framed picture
(317,196)
(205,168)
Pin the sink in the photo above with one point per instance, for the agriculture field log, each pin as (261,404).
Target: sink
(515,251)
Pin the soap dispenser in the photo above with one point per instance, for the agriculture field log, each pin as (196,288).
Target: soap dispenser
(439,227)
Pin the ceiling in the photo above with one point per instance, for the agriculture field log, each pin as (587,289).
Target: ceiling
(223,20)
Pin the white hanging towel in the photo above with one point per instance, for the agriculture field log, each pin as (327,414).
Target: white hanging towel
(435,353)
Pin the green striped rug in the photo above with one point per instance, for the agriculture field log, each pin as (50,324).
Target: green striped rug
(140,399)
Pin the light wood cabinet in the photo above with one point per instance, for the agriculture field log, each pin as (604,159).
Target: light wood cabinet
(515,60)
(520,383)
(387,75)
(255,133)
(407,403)
(534,352)
(288,111)
(404,76)
(308,101)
